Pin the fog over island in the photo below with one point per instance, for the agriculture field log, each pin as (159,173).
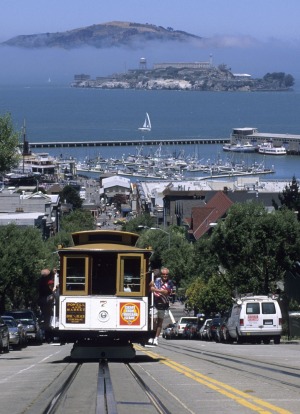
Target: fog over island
(249,37)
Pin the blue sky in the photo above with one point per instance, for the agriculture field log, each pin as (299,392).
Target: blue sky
(253,36)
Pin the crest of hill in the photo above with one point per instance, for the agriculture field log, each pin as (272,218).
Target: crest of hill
(111,34)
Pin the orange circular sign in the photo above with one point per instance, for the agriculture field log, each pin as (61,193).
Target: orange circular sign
(130,312)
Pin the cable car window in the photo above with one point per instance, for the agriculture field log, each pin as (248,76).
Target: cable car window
(103,274)
(132,274)
(131,271)
(75,277)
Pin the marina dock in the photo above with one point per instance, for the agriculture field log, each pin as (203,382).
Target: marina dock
(128,143)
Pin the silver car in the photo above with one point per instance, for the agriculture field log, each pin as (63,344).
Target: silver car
(17,333)
(30,323)
(203,333)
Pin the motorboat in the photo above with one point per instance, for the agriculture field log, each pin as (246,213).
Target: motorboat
(247,147)
(268,148)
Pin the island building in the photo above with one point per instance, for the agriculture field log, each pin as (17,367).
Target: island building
(184,65)
(81,77)
(242,76)
(206,65)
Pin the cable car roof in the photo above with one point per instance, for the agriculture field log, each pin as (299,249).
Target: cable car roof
(105,236)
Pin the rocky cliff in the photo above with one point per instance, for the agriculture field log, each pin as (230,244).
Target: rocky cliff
(212,79)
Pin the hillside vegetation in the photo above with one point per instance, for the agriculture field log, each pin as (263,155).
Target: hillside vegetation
(111,34)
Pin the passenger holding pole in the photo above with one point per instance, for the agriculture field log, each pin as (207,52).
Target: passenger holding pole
(161,286)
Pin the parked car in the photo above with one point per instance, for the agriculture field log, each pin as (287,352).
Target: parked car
(30,322)
(17,333)
(203,330)
(23,333)
(169,331)
(222,331)
(182,323)
(255,319)
(212,330)
(200,322)
(189,331)
(4,336)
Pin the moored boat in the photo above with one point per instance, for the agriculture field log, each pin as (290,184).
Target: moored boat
(268,148)
(247,147)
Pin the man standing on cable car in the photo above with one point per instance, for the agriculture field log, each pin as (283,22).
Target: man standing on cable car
(160,286)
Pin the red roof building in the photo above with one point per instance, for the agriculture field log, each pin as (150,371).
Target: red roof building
(203,217)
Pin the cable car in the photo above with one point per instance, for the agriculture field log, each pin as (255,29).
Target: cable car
(104,300)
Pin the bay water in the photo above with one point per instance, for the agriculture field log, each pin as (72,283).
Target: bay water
(62,113)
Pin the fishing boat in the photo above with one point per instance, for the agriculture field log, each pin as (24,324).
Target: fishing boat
(147,124)
(247,147)
(267,148)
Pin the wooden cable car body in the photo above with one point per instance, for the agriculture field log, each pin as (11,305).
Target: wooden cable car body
(104,302)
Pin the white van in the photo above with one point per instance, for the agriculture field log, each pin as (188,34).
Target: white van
(255,319)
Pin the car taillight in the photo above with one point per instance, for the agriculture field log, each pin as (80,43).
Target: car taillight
(241,322)
(280,321)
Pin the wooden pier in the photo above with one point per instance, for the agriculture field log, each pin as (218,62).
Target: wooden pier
(128,143)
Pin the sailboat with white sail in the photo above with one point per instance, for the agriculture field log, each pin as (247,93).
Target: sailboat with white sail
(147,124)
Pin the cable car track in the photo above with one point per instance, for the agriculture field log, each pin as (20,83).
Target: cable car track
(156,402)
(153,382)
(106,402)
(56,400)
(285,370)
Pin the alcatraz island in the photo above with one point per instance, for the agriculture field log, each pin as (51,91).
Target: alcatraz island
(192,76)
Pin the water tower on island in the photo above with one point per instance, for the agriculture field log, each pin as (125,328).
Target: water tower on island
(143,63)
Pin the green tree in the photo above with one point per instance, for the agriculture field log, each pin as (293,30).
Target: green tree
(209,297)
(290,197)
(256,248)
(23,255)
(139,223)
(170,249)
(158,241)
(284,80)
(208,290)
(71,196)
(205,260)
(289,81)
(9,141)
(77,220)
(62,238)
(180,257)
